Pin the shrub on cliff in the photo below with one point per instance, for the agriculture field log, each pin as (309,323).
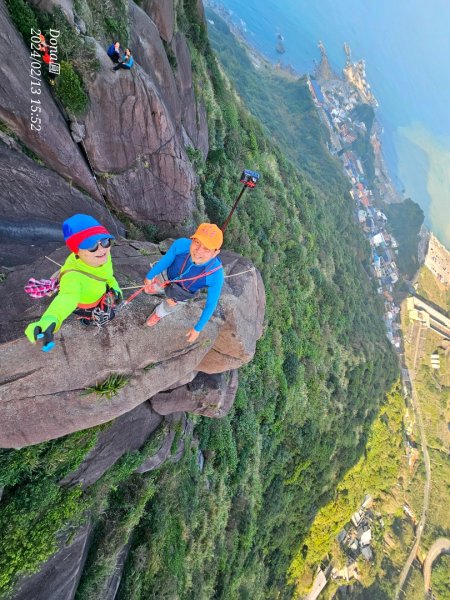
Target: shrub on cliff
(69,89)
(23,18)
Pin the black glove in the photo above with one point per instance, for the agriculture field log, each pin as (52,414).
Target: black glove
(35,331)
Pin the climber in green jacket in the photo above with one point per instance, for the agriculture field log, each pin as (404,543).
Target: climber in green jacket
(87,283)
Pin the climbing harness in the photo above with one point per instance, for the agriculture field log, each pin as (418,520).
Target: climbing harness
(100,314)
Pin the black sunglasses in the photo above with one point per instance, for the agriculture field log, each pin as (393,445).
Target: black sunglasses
(105,243)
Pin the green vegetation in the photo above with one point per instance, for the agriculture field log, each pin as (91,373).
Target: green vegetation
(106,21)
(362,145)
(375,473)
(126,508)
(23,18)
(432,289)
(75,56)
(440,582)
(34,507)
(109,387)
(283,105)
(405,220)
(69,89)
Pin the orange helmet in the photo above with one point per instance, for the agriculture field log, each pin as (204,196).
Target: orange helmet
(209,235)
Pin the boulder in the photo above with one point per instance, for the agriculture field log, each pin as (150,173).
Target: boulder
(58,578)
(132,142)
(242,309)
(34,207)
(48,395)
(162,14)
(52,143)
(207,395)
(153,462)
(77,131)
(186,436)
(126,434)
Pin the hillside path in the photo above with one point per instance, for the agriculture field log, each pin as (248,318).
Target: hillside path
(426,493)
(440,546)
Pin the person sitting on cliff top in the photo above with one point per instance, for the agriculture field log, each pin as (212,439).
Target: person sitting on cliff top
(88,287)
(127,61)
(114,52)
(189,265)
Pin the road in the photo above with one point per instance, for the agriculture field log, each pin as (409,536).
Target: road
(440,546)
(426,493)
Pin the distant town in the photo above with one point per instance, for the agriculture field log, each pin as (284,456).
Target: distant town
(336,99)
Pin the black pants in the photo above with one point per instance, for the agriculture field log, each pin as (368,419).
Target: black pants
(121,66)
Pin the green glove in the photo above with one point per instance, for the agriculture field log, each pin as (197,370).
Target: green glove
(41,326)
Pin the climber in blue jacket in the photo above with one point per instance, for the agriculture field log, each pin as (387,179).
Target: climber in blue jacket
(190,265)
(127,61)
(114,52)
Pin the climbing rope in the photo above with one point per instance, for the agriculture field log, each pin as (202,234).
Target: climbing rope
(38,288)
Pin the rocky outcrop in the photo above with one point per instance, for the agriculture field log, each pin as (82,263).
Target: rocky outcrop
(174,421)
(126,434)
(163,14)
(149,52)
(193,116)
(243,318)
(131,140)
(43,396)
(35,205)
(111,586)
(208,395)
(52,143)
(58,578)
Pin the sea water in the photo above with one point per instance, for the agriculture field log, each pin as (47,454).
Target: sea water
(406,47)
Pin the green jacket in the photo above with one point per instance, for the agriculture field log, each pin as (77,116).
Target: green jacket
(75,288)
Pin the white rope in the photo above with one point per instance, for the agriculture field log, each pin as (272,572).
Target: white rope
(240,273)
(135,287)
(53,261)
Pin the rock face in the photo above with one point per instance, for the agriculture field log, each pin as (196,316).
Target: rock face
(149,52)
(131,140)
(193,116)
(58,578)
(52,143)
(163,15)
(34,207)
(242,325)
(208,395)
(43,396)
(127,433)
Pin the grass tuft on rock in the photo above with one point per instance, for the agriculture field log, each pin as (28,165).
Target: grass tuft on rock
(109,387)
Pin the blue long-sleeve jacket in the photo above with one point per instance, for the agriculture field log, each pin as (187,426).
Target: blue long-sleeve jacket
(111,51)
(127,62)
(173,262)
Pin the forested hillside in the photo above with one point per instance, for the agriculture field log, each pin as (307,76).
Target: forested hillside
(304,405)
